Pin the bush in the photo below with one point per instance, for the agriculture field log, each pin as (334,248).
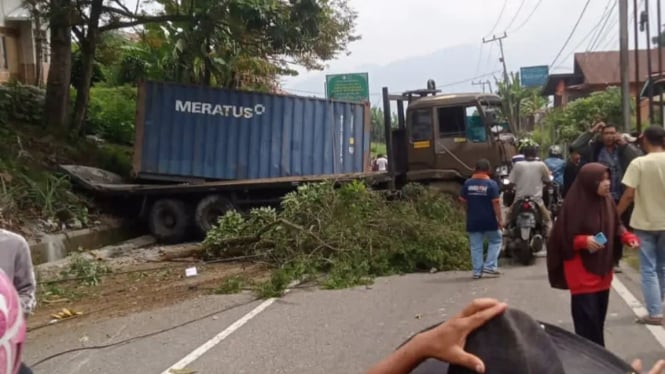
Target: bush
(21,103)
(111,113)
(350,234)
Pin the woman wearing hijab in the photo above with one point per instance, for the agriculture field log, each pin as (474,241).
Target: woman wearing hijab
(585,243)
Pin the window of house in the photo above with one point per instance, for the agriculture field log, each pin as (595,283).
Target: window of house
(463,122)
(3,54)
(421,125)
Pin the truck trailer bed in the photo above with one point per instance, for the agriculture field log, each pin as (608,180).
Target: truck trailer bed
(107,183)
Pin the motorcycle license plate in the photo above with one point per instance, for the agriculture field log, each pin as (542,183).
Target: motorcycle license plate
(526,220)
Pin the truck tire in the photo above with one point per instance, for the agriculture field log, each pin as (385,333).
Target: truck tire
(169,220)
(208,211)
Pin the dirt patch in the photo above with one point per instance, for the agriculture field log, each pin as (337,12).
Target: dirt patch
(133,287)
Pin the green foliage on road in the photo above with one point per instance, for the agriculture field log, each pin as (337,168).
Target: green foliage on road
(346,236)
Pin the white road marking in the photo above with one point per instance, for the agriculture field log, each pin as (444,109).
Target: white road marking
(201,350)
(636,306)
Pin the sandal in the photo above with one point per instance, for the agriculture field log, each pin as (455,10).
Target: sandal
(647,320)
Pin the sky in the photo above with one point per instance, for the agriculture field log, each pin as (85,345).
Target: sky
(394,30)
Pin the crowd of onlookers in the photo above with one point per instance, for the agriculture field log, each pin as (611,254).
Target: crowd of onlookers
(612,186)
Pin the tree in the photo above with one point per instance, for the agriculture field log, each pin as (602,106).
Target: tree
(512,94)
(378,131)
(581,114)
(248,44)
(56,103)
(222,42)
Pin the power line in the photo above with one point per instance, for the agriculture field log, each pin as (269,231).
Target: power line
(455,83)
(603,19)
(596,41)
(503,8)
(469,79)
(489,55)
(586,5)
(527,18)
(577,46)
(515,15)
(480,57)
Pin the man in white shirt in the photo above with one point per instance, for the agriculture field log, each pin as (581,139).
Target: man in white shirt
(644,180)
(382,163)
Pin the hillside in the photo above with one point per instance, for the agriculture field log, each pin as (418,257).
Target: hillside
(34,197)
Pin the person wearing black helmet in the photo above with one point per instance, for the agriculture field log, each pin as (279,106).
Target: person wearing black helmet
(529,178)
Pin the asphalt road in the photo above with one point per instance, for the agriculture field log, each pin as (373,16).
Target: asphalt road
(315,331)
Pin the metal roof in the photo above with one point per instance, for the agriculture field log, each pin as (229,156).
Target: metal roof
(602,68)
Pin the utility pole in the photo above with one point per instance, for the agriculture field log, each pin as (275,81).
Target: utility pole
(623,63)
(638,101)
(660,66)
(502,59)
(506,79)
(479,83)
(644,25)
(483,83)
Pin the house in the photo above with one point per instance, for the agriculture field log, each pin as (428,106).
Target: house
(596,71)
(19,40)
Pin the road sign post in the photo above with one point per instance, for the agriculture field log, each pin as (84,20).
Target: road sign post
(533,76)
(348,87)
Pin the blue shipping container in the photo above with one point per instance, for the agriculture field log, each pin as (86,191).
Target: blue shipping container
(185,131)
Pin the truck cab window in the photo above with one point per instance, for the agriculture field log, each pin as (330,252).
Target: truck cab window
(462,122)
(452,122)
(421,125)
(475,127)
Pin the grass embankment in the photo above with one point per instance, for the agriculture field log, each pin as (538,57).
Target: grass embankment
(33,195)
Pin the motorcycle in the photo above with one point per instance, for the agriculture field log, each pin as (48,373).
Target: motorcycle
(552,199)
(522,235)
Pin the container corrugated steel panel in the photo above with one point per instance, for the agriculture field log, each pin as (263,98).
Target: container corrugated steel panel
(185,131)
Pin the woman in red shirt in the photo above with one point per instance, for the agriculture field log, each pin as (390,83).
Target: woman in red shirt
(576,259)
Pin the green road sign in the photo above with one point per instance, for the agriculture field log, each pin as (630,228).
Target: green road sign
(348,87)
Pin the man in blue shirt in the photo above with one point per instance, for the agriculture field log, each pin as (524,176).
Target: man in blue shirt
(556,164)
(483,219)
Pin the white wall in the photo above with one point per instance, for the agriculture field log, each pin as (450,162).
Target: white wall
(6,7)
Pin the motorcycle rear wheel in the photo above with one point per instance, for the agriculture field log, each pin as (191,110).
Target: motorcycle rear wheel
(524,253)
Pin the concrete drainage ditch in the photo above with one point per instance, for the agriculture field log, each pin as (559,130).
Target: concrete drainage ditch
(54,247)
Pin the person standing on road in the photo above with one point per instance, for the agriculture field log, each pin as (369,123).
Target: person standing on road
(577,259)
(381,163)
(605,145)
(16,262)
(483,219)
(644,180)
